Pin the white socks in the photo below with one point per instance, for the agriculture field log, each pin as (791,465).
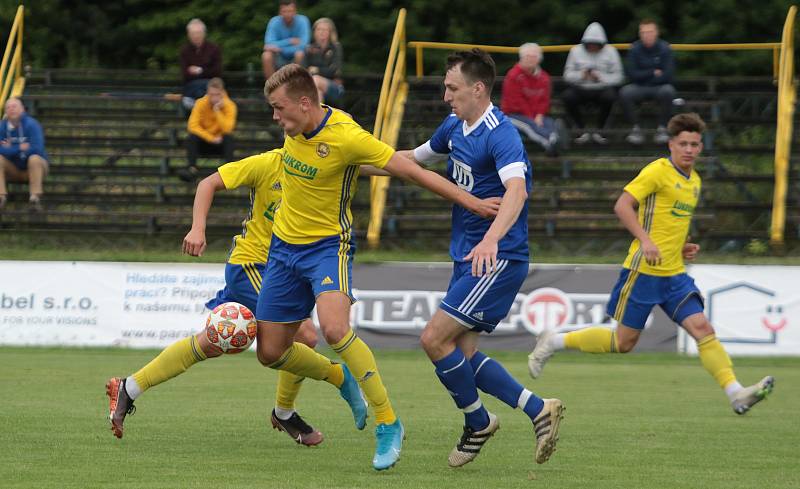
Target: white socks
(132,388)
(732,389)
(283,414)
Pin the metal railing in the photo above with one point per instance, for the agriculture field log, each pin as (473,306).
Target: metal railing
(388,119)
(783,72)
(420,46)
(11,79)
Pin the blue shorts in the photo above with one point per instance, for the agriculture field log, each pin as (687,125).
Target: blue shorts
(242,284)
(635,295)
(297,274)
(21,160)
(479,303)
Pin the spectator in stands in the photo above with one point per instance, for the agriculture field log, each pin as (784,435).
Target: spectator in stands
(285,39)
(593,71)
(324,61)
(22,154)
(526,98)
(201,60)
(651,68)
(210,128)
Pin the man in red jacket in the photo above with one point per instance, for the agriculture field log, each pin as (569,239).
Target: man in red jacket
(526,99)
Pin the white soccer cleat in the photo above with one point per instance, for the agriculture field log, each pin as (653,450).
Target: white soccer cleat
(471,443)
(546,427)
(541,353)
(752,395)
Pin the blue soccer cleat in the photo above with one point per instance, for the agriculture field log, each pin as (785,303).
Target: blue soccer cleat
(389,442)
(351,392)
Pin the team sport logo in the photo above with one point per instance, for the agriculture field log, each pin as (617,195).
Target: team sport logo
(462,175)
(761,315)
(323,150)
(546,308)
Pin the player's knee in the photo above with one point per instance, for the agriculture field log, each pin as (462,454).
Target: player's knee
(307,335)
(625,346)
(267,354)
(429,342)
(334,332)
(209,350)
(703,329)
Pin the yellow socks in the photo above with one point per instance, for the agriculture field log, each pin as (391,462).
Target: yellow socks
(302,361)
(171,362)
(359,359)
(592,340)
(716,360)
(288,387)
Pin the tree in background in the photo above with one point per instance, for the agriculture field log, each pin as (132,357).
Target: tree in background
(147,33)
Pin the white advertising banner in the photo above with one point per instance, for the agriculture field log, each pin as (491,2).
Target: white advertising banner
(103,304)
(755,310)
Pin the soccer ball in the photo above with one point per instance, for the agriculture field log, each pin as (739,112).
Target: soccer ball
(231,327)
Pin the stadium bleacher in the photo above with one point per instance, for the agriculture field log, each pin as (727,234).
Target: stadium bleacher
(115,139)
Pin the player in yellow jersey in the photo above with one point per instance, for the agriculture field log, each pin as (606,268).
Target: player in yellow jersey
(312,250)
(666,193)
(243,272)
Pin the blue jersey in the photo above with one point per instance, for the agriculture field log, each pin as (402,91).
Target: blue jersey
(477,156)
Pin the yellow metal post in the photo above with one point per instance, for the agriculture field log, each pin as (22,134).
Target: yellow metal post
(11,69)
(783,133)
(387,126)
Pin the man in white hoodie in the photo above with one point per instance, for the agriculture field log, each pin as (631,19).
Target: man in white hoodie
(593,71)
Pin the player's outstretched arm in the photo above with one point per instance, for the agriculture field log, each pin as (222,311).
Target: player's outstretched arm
(371,171)
(484,254)
(404,168)
(195,241)
(625,208)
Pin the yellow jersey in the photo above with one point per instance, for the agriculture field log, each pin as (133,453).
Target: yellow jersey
(320,173)
(667,198)
(262,174)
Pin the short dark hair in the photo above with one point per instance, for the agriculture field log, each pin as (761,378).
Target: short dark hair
(476,66)
(689,122)
(298,82)
(647,21)
(282,3)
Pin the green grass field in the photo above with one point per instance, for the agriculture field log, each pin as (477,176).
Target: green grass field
(639,421)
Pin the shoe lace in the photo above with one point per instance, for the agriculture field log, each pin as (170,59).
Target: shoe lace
(468,432)
(298,422)
(131,409)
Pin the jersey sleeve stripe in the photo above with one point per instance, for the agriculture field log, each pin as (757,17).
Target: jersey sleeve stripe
(512,170)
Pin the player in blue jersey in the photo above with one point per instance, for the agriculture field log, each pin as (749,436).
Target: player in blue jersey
(485,157)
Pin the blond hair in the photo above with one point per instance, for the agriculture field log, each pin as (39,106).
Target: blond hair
(331,25)
(216,83)
(297,80)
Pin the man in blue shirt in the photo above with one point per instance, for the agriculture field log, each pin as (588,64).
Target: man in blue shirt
(651,68)
(285,39)
(22,154)
(485,157)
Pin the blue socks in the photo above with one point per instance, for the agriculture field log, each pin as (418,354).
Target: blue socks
(492,378)
(455,372)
